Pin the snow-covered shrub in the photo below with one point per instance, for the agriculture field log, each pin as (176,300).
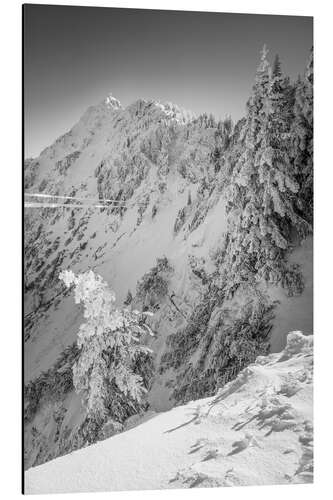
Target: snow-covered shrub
(223,343)
(118,178)
(42,185)
(153,286)
(180,220)
(198,269)
(153,211)
(128,299)
(143,204)
(63,165)
(293,280)
(184,343)
(162,186)
(31,168)
(189,198)
(51,385)
(71,221)
(182,167)
(110,341)
(198,217)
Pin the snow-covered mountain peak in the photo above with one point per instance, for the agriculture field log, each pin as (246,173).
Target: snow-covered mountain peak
(112,102)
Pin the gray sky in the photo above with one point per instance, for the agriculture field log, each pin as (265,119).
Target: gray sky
(75,56)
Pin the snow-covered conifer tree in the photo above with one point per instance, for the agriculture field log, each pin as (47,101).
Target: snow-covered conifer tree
(302,140)
(244,240)
(263,192)
(110,341)
(278,188)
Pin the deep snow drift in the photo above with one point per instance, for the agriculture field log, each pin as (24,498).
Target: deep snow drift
(256,430)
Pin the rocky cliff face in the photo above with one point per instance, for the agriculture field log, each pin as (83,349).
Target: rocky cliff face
(168,172)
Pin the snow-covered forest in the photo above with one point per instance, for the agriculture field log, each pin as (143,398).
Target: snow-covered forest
(167,258)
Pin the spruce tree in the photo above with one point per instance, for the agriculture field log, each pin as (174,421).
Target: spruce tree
(110,343)
(129,298)
(263,192)
(244,240)
(302,140)
(278,217)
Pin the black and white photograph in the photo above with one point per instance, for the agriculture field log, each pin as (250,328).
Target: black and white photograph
(168,249)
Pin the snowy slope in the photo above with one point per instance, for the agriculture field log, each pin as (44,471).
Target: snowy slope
(295,312)
(256,430)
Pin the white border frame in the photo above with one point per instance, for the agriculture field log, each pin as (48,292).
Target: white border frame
(10,454)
